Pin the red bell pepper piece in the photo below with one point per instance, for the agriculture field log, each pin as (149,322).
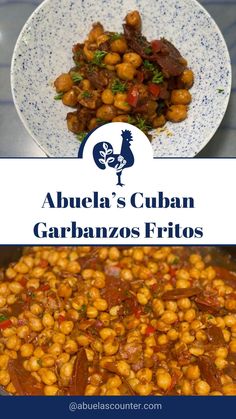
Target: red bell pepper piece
(4,324)
(156,46)
(133,95)
(154,89)
(150,329)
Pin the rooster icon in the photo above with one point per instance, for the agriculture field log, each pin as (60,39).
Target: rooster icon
(104,156)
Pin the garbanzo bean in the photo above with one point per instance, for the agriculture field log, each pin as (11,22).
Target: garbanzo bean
(177,113)
(48,377)
(180,97)
(132,58)
(69,98)
(125,71)
(112,58)
(187,78)
(120,102)
(27,350)
(63,83)
(163,380)
(119,45)
(202,388)
(133,19)
(106,112)
(96,31)
(107,97)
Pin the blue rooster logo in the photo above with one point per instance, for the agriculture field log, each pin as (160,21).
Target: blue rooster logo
(104,156)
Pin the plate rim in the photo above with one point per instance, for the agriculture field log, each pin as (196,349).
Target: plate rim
(192,154)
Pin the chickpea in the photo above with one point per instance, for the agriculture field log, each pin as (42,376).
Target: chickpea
(90,390)
(95,32)
(221,352)
(113,392)
(100,304)
(55,349)
(119,45)
(66,327)
(15,287)
(35,324)
(50,390)
(186,388)
(220,363)
(59,338)
(33,364)
(133,58)
(48,361)
(83,340)
(232,346)
(66,370)
(13,342)
(107,97)
(144,375)
(120,102)
(110,347)
(112,58)
(169,317)
(177,113)
(124,368)
(4,378)
(87,52)
(229,389)
(159,121)
(193,372)
(163,380)
(64,290)
(114,254)
(63,83)
(48,320)
(125,71)
(36,309)
(102,39)
(69,98)
(202,388)
(92,312)
(106,112)
(71,346)
(184,303)
(2,301)
(48,377)
(4,359)
(144,389)
(27,350)
(133,19)
(180,97)
(187,78)
(190,315)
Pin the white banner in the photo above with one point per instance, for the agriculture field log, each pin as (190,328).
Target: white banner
(81,202)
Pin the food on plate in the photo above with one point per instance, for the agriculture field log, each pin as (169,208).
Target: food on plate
(118,321)
(123,77)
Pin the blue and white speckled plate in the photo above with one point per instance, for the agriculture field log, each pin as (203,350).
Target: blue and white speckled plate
(43,51)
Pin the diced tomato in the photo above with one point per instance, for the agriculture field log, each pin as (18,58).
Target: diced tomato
(133,95)
(5,324)
(44,287)
(154,89)
(23,282)
(150,329)
(156,45)
(61,318)
(43,263)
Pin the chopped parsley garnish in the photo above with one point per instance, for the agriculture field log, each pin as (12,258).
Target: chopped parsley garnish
(149,66)
(86,94)
(3,317)
(220,90)
(115,36)
(100,121)
(76,77)
(142,124)
(80,137)
(118,86)
(83,310)
(148,50)
(157,77)
(59,96)
(98,57)
(175,261)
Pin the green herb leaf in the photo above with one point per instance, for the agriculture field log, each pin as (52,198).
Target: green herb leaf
(149,66)
(142,124)
(131,120)
(175,261)
(3,317)
(100,121)
(83,310)
(80,137)
(118,86)
(59,96)
(220,90)
(76,77)
(39,362)
(98,57)
(86,94)
(148,50)
(115,36)
(157,77)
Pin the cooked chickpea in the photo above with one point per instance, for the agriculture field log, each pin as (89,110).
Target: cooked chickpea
(202,388)
(71,346)
(177,113)
(159,121)
(229,389)
(107,97)
(144,389)
(55,349)
(87,52)
(132,58)
(124,368)
(110,346)
(15,287)
(13,342)
(193,372)
(186,388)
(112,58)
(59,338)
(169,317)
(33,364)
(100,304)
(106,112)
(4,359)
(163,380)
(120,102)
(125,71)
(92,312)
(35,324)
(2,301)
(4,378)
(66,327)
(119,45)
(96,31)
(232,346)
(48,377)
(47,361)
(36,309)
(187,78)
(66,370)
(50,390)
(133,19)
(144,375)
(27,350)
(63,83)
(69,98)
(48,320)
(180,97)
